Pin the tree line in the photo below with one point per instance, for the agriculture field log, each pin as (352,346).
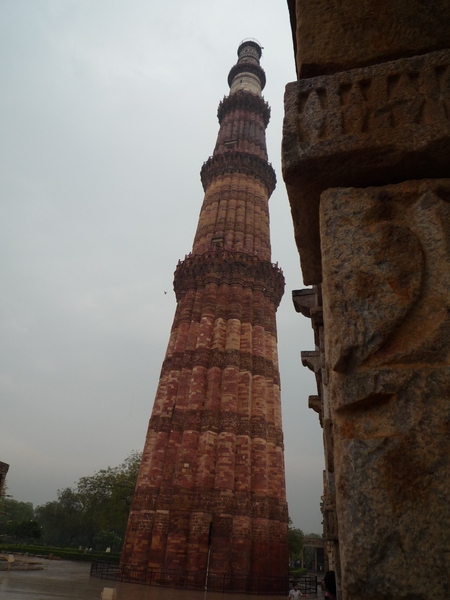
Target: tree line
(295,541)
(93,514)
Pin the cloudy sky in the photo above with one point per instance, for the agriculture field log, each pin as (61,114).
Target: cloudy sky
(107,113)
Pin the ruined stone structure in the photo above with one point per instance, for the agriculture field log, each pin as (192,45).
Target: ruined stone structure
(366,161)
(314,546)
(213,463)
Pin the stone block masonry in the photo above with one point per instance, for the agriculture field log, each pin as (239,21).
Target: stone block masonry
(212,478)
(366,160)
(368,126)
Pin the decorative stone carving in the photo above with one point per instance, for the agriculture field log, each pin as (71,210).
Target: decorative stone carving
(213,421)
(242,100)
(370,126)
(315,403)
(231,268)
(311,359)
(304,301)
(386,282)
(238,162)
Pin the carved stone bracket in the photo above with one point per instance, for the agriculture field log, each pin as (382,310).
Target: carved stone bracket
(232,268)
(238,162)
(246,101)
(315,403)
(304,301)
(312,360)
(390,247)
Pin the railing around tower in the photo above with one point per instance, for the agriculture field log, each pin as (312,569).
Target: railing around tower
(198,580)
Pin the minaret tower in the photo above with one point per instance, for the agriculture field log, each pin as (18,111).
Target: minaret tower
(211,487)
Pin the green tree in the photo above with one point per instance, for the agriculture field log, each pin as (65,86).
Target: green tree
(13,512)
(107,539)
(106,498)
(22,532)
(295,540)
(17,511)
(99,503)
(61,520)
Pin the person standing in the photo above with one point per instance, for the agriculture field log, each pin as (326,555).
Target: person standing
(295,593)
(329,584)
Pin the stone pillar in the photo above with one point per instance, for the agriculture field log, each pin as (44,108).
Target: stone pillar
(386,282)
(366,154)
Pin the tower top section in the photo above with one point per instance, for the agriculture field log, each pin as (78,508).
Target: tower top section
(247,74)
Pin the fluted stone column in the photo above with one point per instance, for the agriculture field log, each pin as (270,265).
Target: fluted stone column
(213,458)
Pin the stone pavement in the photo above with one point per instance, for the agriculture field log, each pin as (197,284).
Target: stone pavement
(64,580)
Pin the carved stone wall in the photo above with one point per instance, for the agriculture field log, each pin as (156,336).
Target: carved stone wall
(371,126)
(386,282)
(366,160)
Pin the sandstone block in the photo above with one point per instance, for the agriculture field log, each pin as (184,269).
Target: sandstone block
(371,126)
(331,35)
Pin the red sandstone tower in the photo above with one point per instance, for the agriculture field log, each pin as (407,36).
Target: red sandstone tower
(212,476)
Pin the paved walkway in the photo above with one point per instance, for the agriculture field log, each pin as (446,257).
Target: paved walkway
(64,580)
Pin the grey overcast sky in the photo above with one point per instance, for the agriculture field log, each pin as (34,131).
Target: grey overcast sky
(107,113)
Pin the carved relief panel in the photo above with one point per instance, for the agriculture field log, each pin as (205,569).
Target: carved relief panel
(386,292)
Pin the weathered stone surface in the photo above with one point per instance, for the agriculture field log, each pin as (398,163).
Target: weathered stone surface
(386,281)
(386,275)
(304,301)
(370,126)
(331,35)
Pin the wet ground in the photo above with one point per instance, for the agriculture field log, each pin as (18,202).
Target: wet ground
(61,580)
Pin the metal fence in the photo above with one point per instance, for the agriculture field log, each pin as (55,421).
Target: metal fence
(214,582)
